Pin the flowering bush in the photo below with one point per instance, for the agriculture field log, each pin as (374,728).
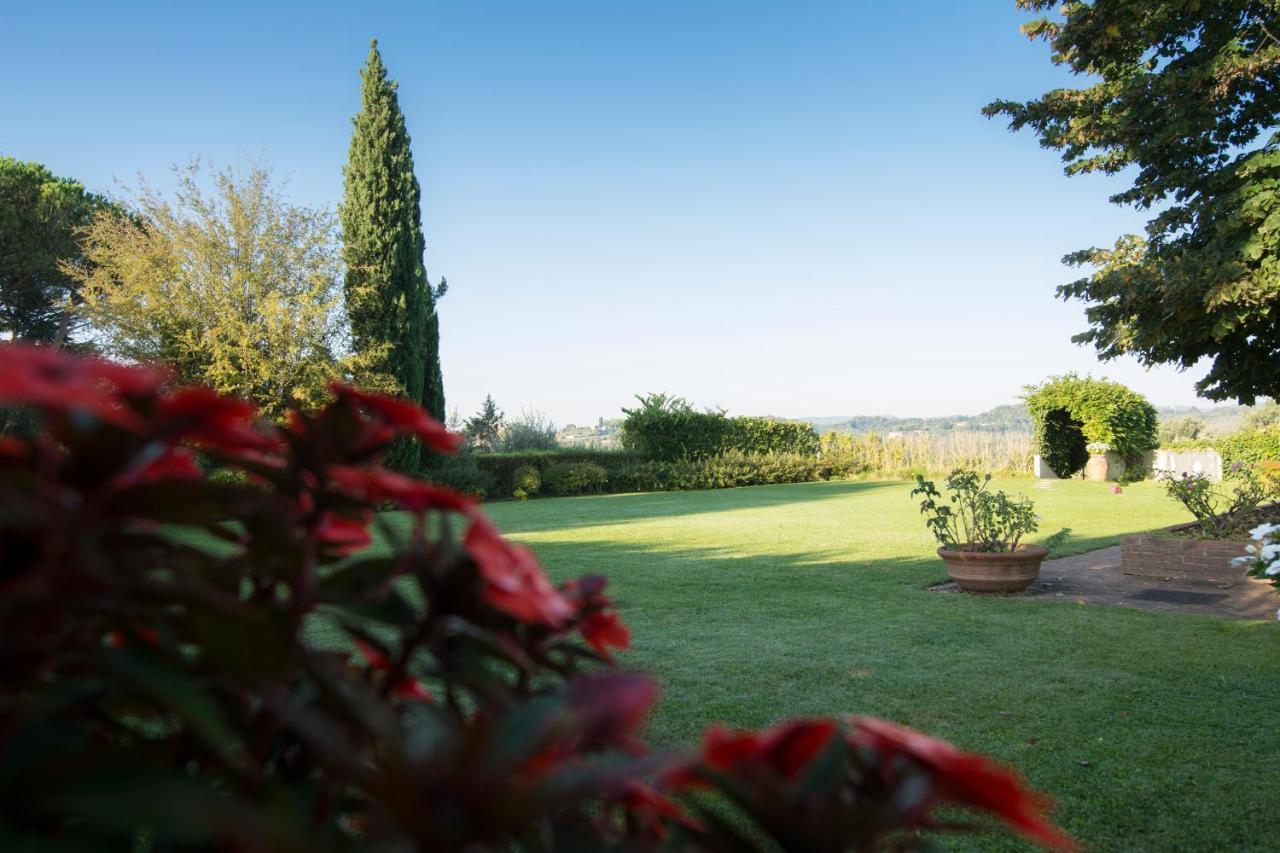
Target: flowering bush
(974,519)
(1263,559)
(167,682)
(1221,513)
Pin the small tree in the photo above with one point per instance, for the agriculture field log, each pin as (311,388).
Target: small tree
(236,289)
(484,430)
(1264,416)
(530,431)
(1187,428)
(40,219)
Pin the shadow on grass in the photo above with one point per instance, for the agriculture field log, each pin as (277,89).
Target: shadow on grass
(603,510)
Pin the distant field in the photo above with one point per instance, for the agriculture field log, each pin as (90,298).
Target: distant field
(1153,731)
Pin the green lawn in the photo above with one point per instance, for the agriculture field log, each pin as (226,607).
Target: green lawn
(1153,731)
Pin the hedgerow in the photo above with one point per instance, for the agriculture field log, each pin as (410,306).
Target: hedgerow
(668,429)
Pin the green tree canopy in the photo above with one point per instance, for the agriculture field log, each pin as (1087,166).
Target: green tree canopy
(41,215)
(1069,412)
(389,301)
(1184,97)
(233,288)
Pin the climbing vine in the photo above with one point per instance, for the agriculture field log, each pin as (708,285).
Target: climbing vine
(1069,413)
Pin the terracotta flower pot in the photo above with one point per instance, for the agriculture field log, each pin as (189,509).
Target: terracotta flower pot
(1097,468)
(994,571)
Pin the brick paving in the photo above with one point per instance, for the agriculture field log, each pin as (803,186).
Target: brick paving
(1096,578)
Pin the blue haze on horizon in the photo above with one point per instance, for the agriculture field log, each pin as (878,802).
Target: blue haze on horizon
(778,208)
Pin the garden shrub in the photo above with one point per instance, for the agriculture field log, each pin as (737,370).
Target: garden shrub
(1250,446)
(735,468)
(1069,413)
(768,435)
(574,478)
(502,467)
(642,476)
(163,684)
(527,482)
(1223,509)
(665,429)
(463,471)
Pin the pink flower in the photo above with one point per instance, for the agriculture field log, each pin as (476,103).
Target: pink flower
(343,535)
(50,378)
(379,484)
(965,778)
(175,463)
(604,630)
(403,415)
(1116,490)
(784,750)
(514,582)
(211,420)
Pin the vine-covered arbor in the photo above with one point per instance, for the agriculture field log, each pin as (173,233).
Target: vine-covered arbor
(1072,416)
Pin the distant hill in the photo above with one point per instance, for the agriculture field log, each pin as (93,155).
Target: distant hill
(1011,418)
(1219,420)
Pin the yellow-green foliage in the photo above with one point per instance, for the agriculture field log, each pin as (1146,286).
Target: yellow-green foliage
(233,288)
(847,455)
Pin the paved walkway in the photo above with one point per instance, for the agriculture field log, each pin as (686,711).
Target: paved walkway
(1095,578)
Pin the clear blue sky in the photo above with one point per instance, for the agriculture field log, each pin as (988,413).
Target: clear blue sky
(779,208)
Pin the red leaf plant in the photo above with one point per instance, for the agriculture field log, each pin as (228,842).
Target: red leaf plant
(213,641)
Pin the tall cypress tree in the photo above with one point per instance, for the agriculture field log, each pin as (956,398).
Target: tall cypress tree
(390,304)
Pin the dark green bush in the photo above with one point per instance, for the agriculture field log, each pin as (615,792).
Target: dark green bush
(501,467)
(643,476)
(464,473)
(669,428)
(575,478)
(527,482)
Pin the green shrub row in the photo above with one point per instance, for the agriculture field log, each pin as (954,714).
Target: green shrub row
(1246,445)
(527,473)
(668,429)
(1251,445)
(726,470)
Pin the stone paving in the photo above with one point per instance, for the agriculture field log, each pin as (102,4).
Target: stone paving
(1095,578)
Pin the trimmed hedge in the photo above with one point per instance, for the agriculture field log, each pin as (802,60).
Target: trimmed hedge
(669,429)
(575,478)
(766,435)
(505,475)
(500,469)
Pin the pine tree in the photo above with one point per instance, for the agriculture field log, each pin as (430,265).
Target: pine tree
(484,429)
(390,304)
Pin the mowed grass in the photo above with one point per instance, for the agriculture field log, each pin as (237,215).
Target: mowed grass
(1152,731)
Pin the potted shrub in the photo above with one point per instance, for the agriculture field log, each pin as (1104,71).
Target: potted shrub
(980,533)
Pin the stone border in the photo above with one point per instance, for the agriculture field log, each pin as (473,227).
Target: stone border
(1156,556)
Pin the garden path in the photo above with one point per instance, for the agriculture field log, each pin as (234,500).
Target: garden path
(1096,578)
